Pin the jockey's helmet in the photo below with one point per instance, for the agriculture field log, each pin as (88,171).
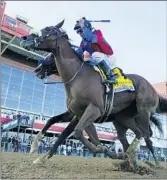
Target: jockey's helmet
(81,23)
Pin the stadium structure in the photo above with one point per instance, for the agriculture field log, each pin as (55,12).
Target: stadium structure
(23,93)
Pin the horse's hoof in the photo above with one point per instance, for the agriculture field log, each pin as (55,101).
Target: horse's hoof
(111,155)
(133,165)
(120,155)
(41,160)
(38,161)
(132,161)
(100,149)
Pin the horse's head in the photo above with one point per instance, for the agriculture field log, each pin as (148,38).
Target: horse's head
(46,40)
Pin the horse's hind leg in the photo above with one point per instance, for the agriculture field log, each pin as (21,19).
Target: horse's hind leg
(131,151)
(65,117)
(92,133)
(121,133)
(144,113)
(150,146)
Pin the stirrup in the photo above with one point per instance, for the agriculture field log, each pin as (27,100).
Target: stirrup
(110,81)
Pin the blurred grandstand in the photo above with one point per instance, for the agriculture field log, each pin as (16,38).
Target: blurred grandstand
(27,103)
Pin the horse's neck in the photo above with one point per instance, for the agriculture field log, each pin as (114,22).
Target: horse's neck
(67,61)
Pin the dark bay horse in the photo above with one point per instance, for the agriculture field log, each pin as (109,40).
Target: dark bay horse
(85,91)
(44,70)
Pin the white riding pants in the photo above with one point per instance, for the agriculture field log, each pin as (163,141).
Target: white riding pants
(110,59)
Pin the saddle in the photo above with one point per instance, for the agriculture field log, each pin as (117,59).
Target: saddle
(123,83)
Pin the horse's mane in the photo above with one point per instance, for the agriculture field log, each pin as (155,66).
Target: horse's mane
(68,39)
(79,57)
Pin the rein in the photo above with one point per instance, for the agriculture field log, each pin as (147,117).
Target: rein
(69,81)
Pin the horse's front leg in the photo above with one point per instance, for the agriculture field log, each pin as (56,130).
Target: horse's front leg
(92,133)
(91,113)
(68,130)
(65,117)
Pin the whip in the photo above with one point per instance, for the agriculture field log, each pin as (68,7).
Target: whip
(103,21)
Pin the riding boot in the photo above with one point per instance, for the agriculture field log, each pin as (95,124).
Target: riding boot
(110,78)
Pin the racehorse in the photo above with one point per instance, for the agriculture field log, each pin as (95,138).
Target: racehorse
(86,92)
(44,70)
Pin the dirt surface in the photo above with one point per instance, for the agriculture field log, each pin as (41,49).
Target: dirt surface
(19,166)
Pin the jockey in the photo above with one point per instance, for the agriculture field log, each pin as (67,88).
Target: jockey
(94,43)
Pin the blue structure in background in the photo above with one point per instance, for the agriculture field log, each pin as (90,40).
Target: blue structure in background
(23,91)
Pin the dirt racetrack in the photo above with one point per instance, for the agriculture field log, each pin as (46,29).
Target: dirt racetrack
(19,166)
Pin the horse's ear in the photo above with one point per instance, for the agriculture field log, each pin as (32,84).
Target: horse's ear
(59,25)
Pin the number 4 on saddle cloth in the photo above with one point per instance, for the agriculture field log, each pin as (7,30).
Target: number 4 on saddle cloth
(122,83)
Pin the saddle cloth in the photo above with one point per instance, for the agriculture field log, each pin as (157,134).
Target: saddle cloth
(123,83)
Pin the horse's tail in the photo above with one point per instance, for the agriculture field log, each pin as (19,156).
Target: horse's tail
(156,121)
(162,107)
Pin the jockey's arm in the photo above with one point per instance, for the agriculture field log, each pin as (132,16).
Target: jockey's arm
(79,50)
(93,37)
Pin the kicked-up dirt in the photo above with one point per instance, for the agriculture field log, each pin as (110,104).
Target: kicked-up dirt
(20,166)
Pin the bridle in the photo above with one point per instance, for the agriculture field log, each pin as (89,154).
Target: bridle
(49,31)
(59,33)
